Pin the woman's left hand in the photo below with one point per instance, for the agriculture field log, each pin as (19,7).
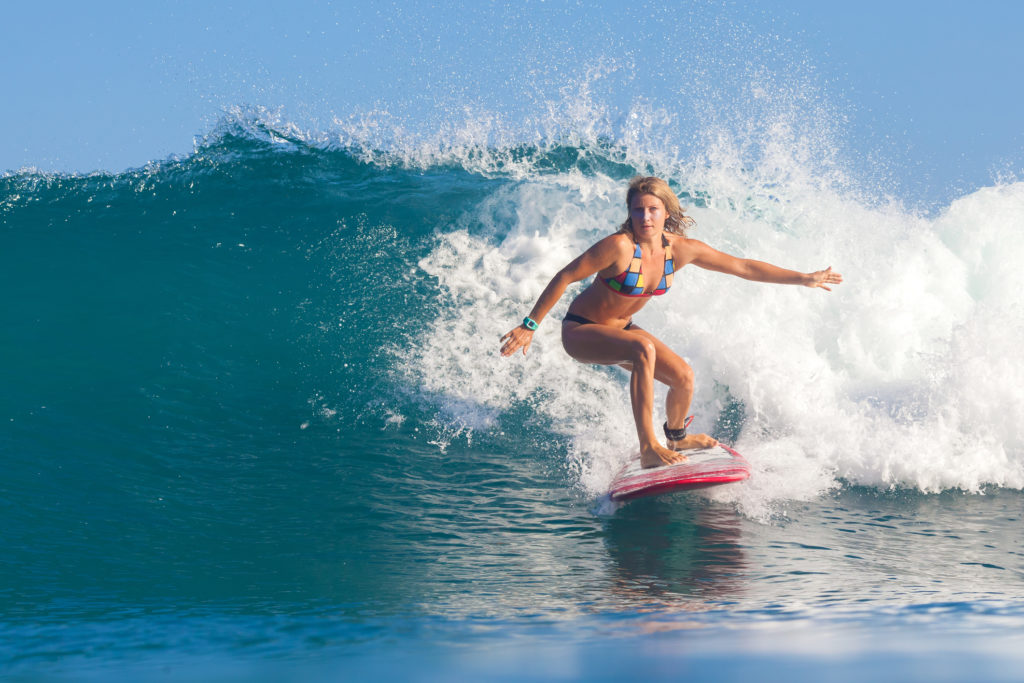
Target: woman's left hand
(520,337)
(823,278)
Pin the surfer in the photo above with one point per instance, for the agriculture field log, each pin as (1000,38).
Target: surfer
(632,265)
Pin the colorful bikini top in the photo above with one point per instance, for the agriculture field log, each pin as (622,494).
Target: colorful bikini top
(631,281)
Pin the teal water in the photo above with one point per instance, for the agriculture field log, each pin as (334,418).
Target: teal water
(253,424)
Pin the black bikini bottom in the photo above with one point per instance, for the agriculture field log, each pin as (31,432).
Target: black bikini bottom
(573,318)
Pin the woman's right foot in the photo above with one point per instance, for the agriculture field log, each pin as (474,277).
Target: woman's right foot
(657,455)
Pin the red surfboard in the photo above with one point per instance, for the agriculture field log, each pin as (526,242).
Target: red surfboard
(702,468)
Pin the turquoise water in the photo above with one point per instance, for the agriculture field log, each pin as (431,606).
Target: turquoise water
(254,424)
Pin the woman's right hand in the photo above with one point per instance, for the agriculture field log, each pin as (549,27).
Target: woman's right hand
(520,337)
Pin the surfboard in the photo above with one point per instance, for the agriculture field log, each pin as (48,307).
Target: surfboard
(702,468)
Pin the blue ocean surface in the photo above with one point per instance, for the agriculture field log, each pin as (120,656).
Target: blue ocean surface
(254,423)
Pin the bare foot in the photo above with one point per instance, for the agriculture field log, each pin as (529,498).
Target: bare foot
(692,441)
(658,455)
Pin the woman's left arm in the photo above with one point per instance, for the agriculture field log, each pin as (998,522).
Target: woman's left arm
(711,259)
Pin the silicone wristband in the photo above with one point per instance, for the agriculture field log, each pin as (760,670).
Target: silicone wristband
(529,323)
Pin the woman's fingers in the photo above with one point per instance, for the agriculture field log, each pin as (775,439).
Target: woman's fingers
(510,345)
(822,278)
(513,341)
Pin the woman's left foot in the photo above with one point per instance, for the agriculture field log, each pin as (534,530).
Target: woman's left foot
(692,441)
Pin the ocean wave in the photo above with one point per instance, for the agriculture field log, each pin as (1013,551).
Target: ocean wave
(906,376)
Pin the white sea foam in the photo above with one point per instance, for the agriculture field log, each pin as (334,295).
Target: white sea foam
(907,375)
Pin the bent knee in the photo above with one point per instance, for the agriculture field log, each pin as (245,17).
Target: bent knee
(643,351)
(680,374)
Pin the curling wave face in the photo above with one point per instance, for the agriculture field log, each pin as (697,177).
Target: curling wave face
(400,268)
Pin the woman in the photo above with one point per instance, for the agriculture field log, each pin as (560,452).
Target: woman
(599,328)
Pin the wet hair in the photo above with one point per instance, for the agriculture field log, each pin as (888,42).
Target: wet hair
(676,222)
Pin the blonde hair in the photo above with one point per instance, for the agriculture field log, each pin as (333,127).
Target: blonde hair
(676,222)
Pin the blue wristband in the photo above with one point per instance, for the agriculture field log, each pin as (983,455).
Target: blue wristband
(529,323)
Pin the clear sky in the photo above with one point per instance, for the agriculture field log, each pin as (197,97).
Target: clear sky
(934,85)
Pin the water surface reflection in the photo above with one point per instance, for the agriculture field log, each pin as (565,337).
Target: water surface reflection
(676,552)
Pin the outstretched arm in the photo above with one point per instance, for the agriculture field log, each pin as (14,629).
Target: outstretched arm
(759,271)
(597,257)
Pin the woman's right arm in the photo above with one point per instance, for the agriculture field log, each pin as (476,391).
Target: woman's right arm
(594,259)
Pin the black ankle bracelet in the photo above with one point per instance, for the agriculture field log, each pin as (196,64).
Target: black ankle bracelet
(674,434)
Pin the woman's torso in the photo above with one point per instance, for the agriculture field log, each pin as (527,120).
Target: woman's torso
(615,293)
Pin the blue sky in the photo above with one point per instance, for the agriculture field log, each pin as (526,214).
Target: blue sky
(931,86)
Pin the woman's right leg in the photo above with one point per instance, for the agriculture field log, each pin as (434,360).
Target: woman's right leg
(673,371)
(606,345)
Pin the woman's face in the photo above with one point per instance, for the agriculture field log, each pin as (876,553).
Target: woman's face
(647,215)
